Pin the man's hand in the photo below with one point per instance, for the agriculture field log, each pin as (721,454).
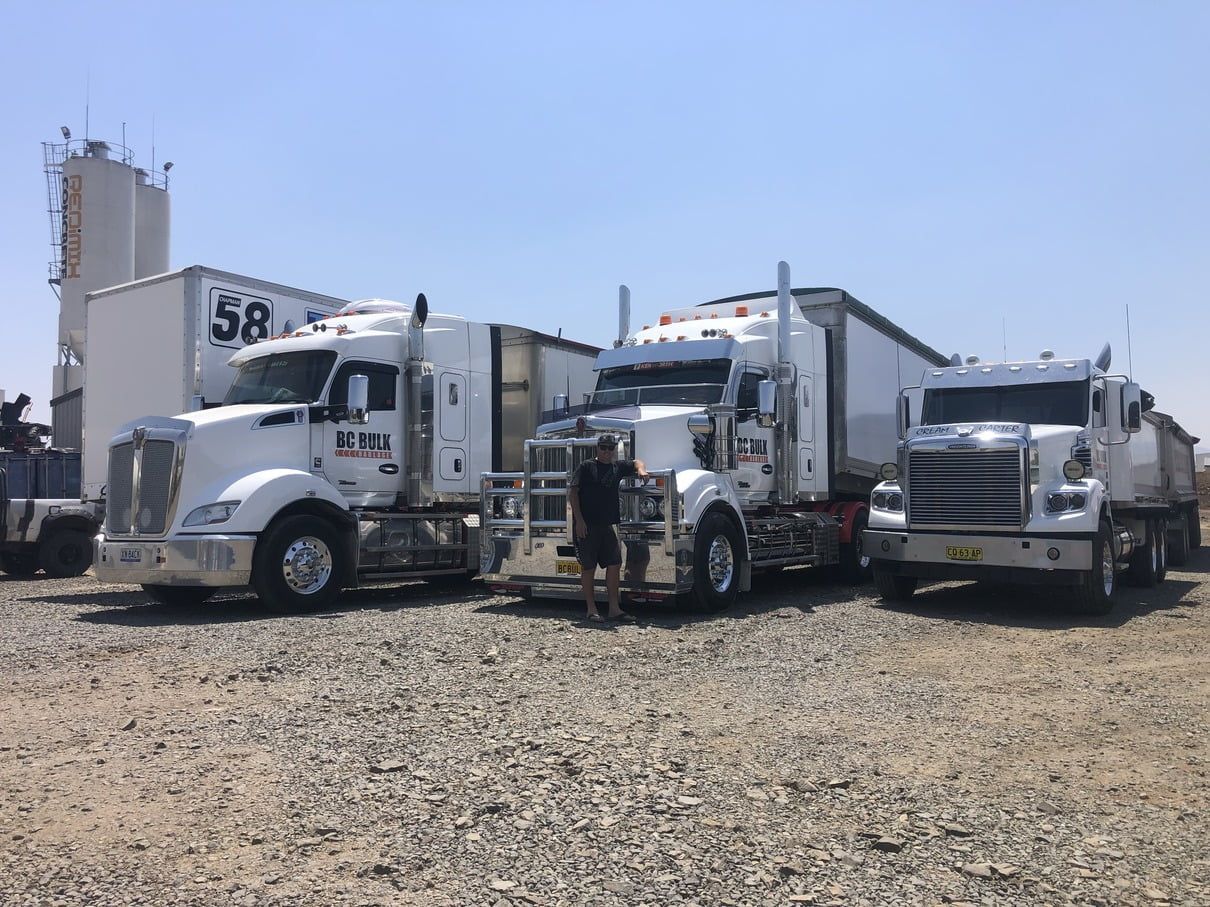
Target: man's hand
(640,469)
(581,530)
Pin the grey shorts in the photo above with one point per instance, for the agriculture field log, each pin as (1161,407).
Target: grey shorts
(599,548)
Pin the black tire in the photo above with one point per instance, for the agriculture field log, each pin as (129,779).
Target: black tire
(855,566)
(717,558)
(299,565)
(65,552)
(1178,544)
(1094,593)
(895,588)
(179,596)
(1144,562)
(1195,526)
(22,565)
(1161,550)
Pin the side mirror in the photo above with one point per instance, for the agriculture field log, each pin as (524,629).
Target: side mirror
(766,404)
(197,403)
(359,399)
(562,406)
(902,416)
(1132,407)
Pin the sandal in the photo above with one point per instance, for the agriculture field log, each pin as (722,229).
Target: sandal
(624,618)
(595,619)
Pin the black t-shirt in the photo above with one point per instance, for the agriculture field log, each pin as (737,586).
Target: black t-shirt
(598,483)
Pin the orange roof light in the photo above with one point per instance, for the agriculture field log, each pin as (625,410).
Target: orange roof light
(741,311)
(682,337)
(665,319)
(697,317)
(714,314)
(764,314)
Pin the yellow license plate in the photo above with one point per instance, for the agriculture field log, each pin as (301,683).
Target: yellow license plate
(955,553)
(567,568)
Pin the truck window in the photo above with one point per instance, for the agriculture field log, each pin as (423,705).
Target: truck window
(1050,403)
(383,381)
(692,383)
(282,378)
(747,401)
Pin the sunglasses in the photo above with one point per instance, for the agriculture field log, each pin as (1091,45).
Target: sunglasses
(607,447)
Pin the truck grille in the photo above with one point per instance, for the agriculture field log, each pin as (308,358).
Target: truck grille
(154,489)
(977,488)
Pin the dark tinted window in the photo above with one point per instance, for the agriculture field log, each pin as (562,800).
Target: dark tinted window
(1052,403)
(747,400)
(383,384)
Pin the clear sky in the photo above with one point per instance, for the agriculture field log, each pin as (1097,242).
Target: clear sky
(955,165)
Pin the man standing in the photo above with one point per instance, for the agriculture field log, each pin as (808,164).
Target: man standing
(594,507)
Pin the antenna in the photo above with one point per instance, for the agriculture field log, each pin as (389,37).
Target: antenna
(153,143)
(1129,351)
(1004,336)
(87,98)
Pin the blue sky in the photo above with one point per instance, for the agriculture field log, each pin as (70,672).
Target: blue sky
(951,164)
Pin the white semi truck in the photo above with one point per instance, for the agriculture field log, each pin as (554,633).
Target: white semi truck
(763,420)
(1050,471)
(347,451)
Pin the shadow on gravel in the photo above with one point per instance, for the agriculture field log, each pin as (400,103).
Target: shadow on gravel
(801,589)
(1046,608)
(135,609)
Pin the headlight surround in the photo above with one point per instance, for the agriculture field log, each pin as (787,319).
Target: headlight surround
(649,508)
(510,506)
(888,500)
(211,514)
(1073,470)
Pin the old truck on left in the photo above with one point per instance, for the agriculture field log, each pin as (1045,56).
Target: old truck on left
(347,451)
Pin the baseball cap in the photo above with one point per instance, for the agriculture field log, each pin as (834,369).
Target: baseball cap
(607,441)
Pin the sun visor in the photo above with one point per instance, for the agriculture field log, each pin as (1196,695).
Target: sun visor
(669,351)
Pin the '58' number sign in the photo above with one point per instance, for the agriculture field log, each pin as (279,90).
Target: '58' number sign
(237,319)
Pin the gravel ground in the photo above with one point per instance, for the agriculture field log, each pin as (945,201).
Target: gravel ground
(419,746)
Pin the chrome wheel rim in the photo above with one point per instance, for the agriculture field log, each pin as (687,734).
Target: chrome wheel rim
(1161,543)
(1107,568)
(720,563)
(1155,556)
(307,565)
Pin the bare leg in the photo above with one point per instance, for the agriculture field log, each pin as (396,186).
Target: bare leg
(612,575)
(586,581)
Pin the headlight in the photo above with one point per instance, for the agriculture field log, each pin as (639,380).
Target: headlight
(511,507)
(211,514)
(1056,503)
(880,500)
(889,472)
(1073,470)
(1075,501)
(649,508)
(888,500)
(894,501)
(1061,501)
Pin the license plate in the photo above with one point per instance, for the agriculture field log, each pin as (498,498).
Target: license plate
(130,555)
(567,568)
(955,553)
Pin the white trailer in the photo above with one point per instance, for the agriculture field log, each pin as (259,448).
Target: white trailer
(347,451)
(1050,471)
(161,345)
(764,419)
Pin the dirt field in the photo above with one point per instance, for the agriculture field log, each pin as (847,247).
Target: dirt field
(425,747)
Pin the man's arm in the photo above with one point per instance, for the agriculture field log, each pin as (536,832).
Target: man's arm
(640,469)
(573,496)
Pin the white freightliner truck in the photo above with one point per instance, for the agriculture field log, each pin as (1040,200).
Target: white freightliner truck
(762,420)
(1050,471)
(345,452)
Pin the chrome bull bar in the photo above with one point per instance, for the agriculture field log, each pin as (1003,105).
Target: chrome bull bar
(524,548)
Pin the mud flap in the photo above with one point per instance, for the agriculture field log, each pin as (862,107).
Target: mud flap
(745,576)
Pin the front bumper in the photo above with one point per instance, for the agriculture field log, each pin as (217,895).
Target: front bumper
(193,560)
(550,568)
(1004,558)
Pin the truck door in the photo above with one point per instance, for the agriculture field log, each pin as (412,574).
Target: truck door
(451,425)
(754,479)
(365,462)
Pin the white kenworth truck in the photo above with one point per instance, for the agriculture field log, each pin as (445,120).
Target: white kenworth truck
(346,451)
(762,420)
(1049,471)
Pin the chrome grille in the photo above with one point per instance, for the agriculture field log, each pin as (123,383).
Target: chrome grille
(119,491)
(155,487)
(976,488)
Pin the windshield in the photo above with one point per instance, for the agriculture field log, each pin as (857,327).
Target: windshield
(284,378)
(694,383)
(1052,403)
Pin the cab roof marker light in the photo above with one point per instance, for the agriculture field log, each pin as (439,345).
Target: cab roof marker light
(682,337)
(1014,368)
(665,319)
(741,311)
(714,314)
(764,314)
(963,371)
(986,370)
(938,374)
(1041,366)
(1069,365)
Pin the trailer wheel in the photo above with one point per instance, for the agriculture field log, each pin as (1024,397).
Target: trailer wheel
(22,565)
(856,566)
(894,588)
(65,552)
(1094,593)
(1144,562)
(179,596)
(1178,543)
(717,553)
(1195,526)
(298,565)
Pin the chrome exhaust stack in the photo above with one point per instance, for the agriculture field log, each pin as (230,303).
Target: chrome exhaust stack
(623,315)
(787,491)
(415,372)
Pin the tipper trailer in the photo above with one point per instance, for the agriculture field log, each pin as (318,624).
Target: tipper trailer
(1050,471)
(763,420)
(347,451)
